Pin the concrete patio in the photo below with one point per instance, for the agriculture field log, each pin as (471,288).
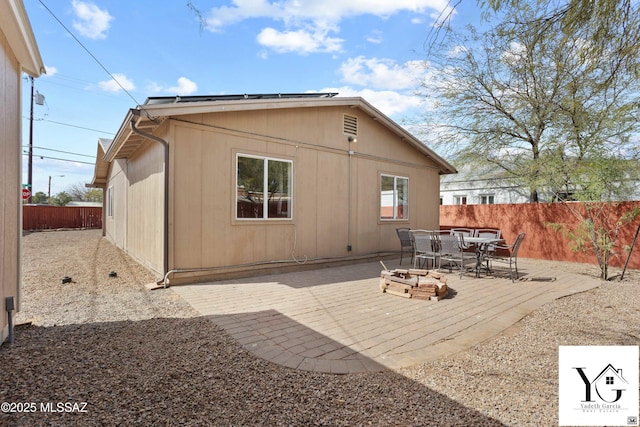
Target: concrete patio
(337,320)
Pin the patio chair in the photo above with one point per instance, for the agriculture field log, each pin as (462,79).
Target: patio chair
(464,232)
(452,250)
(424,248)
(508,254)
(405,242)
(491,233)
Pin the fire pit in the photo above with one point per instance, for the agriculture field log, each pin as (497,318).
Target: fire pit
(413,283)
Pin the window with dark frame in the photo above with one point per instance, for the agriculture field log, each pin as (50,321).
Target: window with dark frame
(487,199)
(460,200)
(263,187)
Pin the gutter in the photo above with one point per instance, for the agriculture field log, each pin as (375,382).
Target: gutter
(165,144)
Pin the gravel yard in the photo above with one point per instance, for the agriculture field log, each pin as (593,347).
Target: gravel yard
(118,354)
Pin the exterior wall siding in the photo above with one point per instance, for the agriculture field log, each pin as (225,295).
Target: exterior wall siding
(135,221)
(10,180)
(145,206)
(115,204)
(330,211)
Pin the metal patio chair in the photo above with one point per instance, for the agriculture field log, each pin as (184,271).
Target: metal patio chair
(508,254)
(490,233)
(405,242)
(452,251)
(424,248)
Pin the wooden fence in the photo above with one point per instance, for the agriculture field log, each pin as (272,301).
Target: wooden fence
(54,217)
(541,242)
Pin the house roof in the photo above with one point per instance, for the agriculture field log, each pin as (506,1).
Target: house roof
(156,110)
(238,97)
(101,169)
(16,27)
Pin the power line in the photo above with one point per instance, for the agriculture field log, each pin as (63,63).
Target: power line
(92,56)
(63,160)
(60,151)
(73,126)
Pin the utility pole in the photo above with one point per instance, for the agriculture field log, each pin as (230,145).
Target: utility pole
(30,172)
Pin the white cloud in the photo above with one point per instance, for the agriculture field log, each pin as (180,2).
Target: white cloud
(300,41)
(113,86)
(382,73)
(50,71)
(91,21)
(312,20)
(388,102)
(375,37)
(184,87)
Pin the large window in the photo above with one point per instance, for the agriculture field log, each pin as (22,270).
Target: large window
(394,197)
(263,188)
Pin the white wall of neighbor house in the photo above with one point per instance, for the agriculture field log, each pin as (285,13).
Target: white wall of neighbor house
(470,192)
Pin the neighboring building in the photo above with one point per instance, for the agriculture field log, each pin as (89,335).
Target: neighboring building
(18,53)
(476,186)
(262,182)
(485,186)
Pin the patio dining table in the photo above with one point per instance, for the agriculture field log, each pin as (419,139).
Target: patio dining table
(480,244)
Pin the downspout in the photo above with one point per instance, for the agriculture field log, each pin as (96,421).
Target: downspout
(165,144)
(351,153)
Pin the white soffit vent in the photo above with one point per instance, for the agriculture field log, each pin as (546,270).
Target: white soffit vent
(350,126)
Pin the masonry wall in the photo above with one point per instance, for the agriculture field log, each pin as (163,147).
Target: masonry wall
(541,241)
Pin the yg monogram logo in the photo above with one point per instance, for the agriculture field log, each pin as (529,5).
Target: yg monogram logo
(592,389)
(607,384)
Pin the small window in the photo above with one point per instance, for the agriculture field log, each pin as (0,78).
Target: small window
(460,200)
(263,188)
(110,201)
(394,197)
(609,380)
(487,199)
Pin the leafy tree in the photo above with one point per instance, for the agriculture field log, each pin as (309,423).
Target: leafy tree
(543,106)
(81,193)
(550,96)
(94,195)
(39,198)
(60,199)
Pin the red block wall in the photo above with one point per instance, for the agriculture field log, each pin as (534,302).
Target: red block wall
(541,241)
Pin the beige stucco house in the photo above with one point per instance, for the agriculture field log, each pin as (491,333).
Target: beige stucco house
(18,53)
(207,187)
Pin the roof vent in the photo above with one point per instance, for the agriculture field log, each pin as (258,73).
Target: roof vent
(350,125)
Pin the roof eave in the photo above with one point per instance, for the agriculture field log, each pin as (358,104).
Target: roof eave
(151,116)
(17,29)
(445,167)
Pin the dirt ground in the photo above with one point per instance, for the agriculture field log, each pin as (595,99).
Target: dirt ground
(105,351)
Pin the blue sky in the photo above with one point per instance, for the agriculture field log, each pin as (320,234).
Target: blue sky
(369,48)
